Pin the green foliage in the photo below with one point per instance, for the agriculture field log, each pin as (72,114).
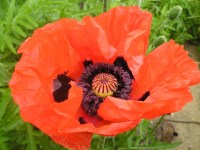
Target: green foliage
(178,20)
(115,3)
(18,20)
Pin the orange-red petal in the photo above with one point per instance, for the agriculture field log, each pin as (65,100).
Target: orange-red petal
(109,129)
(48,116)
(117,110)
(161,101)
(76,141)
(166,73)
(49,48)
(127,29)
(89,39)
(169,64)
(165,100)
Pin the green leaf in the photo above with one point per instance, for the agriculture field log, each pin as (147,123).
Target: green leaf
(156,147)
(10,12)
(25,24)
(30,138)
(18,30)
(3,145)
(5,99)
(5,73)
(13,123)
(31,21)
(9,44)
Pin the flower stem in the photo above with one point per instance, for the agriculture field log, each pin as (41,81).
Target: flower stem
(153,129)
(105,5)
(126,137)
(156,126)
(162,25)
(101,143)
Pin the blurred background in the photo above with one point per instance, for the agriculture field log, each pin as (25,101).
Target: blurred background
(172,19)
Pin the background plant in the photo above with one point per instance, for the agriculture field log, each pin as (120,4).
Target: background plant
(178,19)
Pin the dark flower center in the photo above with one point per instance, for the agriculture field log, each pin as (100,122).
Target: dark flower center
(100,80)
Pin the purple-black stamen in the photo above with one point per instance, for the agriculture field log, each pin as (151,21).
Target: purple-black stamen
(120,61)
(87,63)
(61,87)
(100,80)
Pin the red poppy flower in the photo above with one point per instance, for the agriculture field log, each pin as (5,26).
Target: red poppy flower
(76,78)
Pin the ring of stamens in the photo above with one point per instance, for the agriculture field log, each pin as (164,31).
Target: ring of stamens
(104,84)
(99,80)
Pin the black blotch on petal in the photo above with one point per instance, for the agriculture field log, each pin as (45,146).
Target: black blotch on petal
(61,87)
(144,97)
(81,120)
(120,61)
(87,63)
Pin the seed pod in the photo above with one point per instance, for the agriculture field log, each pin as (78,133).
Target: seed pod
(159,40)
(175,12)
(154,9)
